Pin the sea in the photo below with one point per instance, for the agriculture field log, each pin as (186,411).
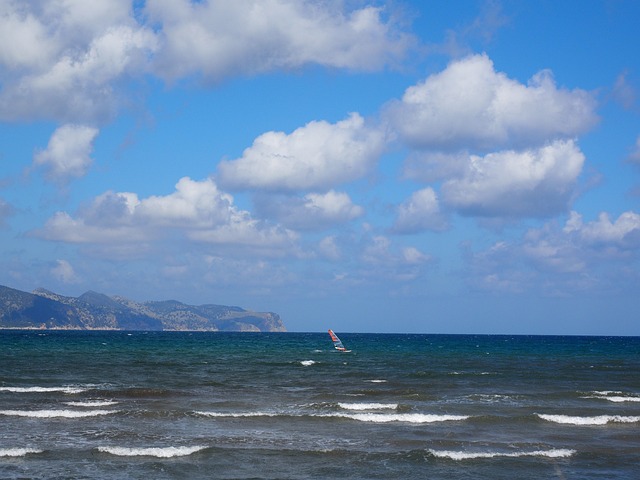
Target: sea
(195,405)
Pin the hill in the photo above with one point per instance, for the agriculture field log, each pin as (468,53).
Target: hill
(96,311)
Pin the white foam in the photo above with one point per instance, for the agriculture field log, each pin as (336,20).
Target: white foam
(237,414)
(415,418)
(613,396)
(307,363)
(368,406)
(464,455)
(55,413)
(597,420)
(92,403)
(377,381)
(70,390)
(159,452)
(402,417)
(17,452)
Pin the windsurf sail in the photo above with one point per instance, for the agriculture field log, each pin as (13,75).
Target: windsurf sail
(337,344)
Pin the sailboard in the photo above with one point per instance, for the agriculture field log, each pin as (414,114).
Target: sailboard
(337,344)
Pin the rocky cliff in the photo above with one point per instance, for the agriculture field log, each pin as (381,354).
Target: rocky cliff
(96,311)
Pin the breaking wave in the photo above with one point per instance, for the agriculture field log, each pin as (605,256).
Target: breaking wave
(69,390)
(92,403)
(17,452)
(55,413)
(597,420)
(361,417)
(307,363)
(614,396)
(464,455)
(159,452)
(368,406)
(403,417)
(239,414)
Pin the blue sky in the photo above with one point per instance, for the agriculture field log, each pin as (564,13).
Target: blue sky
(400,166)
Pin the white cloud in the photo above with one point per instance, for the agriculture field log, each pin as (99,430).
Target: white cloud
(383,260)
(220,38)
(623,234)
(64,59)
(317,156)
(70,55)
(194,204)
(196,211)
(6,210)
(314,211)
(64,272)
(329,249)
(552,260)
(530,183)
(471,106)
(634,156)
(420,212)
(68,153)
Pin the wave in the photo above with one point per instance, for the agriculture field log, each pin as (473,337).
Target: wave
(17,452)
(159,452)
(402,417)
(240,414)
(597,420)
(361,417)
(92,403)
(464,455)
(69,390)
(55,413)
(307,363)
(376,380)
(368,406)
(614,396)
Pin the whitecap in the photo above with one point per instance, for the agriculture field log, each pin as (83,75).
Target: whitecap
(614,396)
(377,381)
(597,420)
(368,406)
(69,390)
(402,417)
(464,455)
(55,413)
(237,414)
(92,403)
(17,452)
(307,363)
(159,452)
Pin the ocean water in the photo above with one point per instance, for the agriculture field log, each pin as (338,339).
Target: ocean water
(161,405)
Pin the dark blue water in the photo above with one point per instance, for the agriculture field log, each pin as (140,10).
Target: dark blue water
(112,405)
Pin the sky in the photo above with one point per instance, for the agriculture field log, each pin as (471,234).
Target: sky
(372,166)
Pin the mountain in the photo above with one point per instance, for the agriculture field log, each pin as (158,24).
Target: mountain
(96,311)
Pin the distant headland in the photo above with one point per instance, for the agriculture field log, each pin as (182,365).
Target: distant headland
(43,309)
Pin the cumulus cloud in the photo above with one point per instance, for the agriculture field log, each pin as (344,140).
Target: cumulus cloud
(68,153)
(530,183)
(196,211)
(220,38)
(420,212)
(562,260)
(70,57)
(64,272)
(317,156)
(64,60)
(314,211)
(384,260)
(622,235)
(634,156)
(6,210)
(329,248)
(470,105)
